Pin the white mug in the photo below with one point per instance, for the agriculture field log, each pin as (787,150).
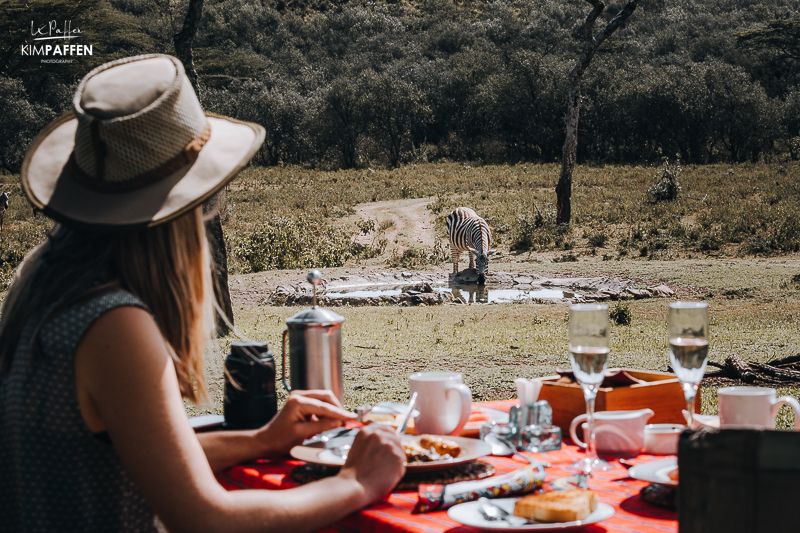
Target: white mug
(752,407)
(617,433)
(443,402)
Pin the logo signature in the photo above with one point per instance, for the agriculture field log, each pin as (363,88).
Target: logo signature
(50,31)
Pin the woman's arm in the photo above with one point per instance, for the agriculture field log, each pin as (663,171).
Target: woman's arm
(305,413)
(125,377)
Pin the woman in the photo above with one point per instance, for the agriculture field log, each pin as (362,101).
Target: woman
(103,329)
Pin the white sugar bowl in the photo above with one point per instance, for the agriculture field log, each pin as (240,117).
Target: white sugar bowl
(662,439)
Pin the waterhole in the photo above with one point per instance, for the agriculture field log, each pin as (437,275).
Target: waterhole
(465,293)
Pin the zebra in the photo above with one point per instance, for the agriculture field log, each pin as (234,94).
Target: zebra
(469,232)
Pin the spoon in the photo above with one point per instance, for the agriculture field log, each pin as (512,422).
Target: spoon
(502,447)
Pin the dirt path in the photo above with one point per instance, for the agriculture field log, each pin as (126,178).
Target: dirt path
(412,223)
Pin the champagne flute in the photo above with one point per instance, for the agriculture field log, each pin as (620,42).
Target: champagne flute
(688,348)
(589,345)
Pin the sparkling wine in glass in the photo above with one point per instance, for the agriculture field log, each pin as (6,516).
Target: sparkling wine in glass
(589,346)
(688,347)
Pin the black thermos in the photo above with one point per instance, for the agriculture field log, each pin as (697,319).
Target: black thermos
(249,386)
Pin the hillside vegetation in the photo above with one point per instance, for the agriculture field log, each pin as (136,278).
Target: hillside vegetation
(362,83)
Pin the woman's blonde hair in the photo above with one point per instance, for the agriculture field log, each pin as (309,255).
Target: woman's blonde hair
(168,267)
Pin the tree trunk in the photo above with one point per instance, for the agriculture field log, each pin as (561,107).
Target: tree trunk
(183,41)
(219,256)
(569,152)
(183,51)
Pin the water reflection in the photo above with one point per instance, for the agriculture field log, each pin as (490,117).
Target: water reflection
(470,294)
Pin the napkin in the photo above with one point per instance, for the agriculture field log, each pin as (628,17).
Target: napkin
(528,390)
(439,497)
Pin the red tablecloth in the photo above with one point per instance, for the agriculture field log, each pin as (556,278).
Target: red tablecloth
(393,514)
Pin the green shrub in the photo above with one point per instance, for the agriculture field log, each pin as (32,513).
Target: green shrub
(598,240)
(709,242)
(419,256)
(566,258)
(666,187)
(621,314)
(294,242)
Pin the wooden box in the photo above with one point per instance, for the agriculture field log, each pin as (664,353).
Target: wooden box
(661,392)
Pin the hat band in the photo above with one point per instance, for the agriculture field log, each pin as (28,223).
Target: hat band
(187,156)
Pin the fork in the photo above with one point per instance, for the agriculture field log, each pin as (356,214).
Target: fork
(495,513)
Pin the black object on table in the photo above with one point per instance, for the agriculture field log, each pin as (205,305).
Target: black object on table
(738,481)
(250,400)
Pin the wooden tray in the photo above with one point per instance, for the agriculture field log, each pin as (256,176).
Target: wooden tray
(661,392)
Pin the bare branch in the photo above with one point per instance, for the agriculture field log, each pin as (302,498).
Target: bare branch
(588,27)
(612,26)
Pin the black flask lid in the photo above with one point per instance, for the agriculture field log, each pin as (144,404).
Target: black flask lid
(250,350)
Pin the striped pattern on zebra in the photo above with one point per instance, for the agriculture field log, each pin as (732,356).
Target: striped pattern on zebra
(470,233)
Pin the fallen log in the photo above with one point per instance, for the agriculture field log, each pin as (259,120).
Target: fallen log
(779,373)
(785,361)
(744,372)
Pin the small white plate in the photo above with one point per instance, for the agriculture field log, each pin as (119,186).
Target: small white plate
(655,472)
(471,449)
(469,514)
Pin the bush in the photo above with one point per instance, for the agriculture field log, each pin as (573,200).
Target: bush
(294,242)
(666,188)
(709,242)
(566,258)
(598,240)
(621,314)
(419,257)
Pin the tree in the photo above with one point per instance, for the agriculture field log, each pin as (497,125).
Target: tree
(183,50)
(397,109)
(781,35)
(591,43)
(344,116)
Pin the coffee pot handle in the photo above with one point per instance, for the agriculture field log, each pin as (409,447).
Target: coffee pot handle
(793,404)
(283,365)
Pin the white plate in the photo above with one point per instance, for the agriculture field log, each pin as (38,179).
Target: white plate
(471,449)
(469,514)
(655,472)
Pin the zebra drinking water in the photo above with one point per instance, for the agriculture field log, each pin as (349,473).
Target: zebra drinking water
(469,232)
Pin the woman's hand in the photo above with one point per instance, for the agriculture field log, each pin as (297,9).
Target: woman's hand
(376,461)
(305,413)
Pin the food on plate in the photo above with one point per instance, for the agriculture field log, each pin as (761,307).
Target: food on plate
(429,448)
(557,505)
(673,474)
(441,445)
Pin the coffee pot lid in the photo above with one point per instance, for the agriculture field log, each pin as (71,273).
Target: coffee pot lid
(316,315)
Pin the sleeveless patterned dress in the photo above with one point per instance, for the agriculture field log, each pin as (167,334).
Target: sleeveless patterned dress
(55,474)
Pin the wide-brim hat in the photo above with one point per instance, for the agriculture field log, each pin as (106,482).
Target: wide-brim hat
(136,151)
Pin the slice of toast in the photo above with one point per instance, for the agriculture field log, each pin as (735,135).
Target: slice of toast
(557,505)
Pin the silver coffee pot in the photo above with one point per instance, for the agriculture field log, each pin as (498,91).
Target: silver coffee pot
(315,347)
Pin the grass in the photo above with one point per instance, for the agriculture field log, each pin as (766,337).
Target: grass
(492,344)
